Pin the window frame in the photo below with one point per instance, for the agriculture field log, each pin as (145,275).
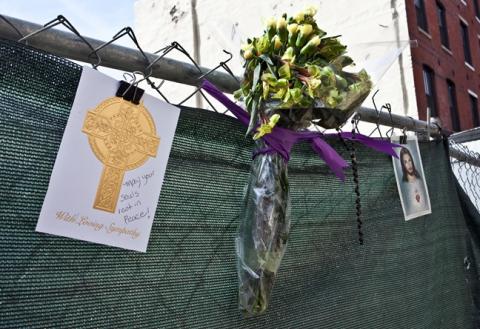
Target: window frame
(474,112)
(442,25)
(467,50)
(429,88)
(476,8)
(453,105)
(421,14)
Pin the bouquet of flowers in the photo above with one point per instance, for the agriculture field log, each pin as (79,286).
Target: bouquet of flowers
(295,70)
(294,76)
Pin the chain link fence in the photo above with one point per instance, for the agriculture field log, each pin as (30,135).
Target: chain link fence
(465,160)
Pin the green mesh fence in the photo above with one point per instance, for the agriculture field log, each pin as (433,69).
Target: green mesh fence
(416,274)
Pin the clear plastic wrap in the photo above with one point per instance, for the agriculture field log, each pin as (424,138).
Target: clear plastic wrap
(263,233)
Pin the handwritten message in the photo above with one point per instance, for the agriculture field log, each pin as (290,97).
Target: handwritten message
(130,205)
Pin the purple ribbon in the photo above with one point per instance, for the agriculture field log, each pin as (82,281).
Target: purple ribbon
(281,140)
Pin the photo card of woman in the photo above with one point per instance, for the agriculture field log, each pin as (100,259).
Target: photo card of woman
(411,183)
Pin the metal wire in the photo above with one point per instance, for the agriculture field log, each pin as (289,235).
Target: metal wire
(59,20)
(179,48)
(466,168)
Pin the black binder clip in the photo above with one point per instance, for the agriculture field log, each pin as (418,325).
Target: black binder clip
(129,92)
(403,138)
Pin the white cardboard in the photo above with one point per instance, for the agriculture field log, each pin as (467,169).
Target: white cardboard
(68,206)
(407,191)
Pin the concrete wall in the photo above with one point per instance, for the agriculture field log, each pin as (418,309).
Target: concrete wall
(205,27)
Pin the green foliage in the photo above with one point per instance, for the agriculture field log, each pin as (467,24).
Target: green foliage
(296,65)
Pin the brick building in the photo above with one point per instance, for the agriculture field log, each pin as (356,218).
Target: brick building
(446,63)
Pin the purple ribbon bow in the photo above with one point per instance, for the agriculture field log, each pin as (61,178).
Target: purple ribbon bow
(281,140)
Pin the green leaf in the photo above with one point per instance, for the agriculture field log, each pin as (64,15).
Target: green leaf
(341,82)
(238,93)
(266,59)
(284,71)
(256,75)
(331,48)
(248,103)
(280,93)
(265,89)
(253,116)
(334,98)
(289,55)
(312,85)
(321,33)
(281,83)
(262,44)
(327,75)
(342,61)
(286,99)
(270,78)
(269,63)
(297,95)
(313,70)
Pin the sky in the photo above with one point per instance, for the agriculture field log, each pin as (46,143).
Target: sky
(100,19)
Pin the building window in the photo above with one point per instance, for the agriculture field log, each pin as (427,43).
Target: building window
(452,102)
(474,109)
(476,5)
(421,15)
(466,43)
(442,24)
(429,85)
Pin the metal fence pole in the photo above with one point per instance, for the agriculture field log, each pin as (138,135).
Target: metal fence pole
(68,45)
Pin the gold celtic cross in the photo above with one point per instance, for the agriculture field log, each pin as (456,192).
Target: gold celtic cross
(122,136)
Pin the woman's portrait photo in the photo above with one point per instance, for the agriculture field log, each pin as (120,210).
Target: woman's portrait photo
(410,177)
